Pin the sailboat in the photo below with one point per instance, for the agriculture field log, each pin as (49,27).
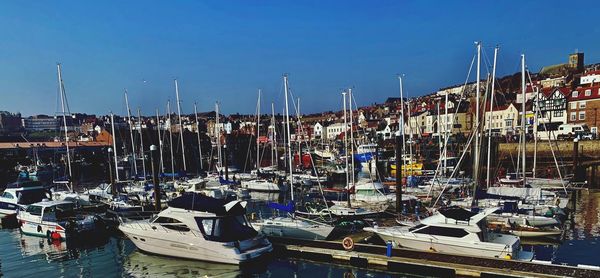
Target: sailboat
(290,225)
(258,183)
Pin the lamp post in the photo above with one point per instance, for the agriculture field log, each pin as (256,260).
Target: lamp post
(153,150)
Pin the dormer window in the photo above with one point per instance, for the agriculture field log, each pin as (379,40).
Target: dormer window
(588,92)
(575,94)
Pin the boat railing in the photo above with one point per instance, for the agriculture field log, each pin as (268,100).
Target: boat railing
(146,226)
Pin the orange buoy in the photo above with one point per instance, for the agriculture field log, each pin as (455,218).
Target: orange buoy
(55,236)
(348,243)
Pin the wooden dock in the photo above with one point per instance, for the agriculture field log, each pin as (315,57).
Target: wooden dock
(409,261)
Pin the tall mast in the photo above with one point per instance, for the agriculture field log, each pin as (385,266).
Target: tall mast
(258,132)
(535,126)
(346,145)
(446,133)
(180,125)
(275,159)
(523,124)
(171,140)
(289,137)
(489,145)
(351,137)
(439,127)
(61,88)
(142,144)
(114,139)
(198,133)
(477,95)
(218,135)
(298,129)
(401,121)
(131,134)
(160,142)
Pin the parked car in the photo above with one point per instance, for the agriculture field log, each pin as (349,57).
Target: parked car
(572,131)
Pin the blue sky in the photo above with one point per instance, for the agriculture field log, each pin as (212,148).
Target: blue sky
(226,50)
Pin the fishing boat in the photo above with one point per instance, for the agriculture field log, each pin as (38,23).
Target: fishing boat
(262,185)
(198,227)
(455,231)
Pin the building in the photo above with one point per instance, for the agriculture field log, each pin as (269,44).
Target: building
(503,121)
(334,130)
(42,123)
(318,131)
(583,107)
(551,107)
(590,78)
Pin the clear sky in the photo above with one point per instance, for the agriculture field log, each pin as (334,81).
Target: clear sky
(226,50)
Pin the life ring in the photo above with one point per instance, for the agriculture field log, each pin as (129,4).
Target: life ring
(348,244)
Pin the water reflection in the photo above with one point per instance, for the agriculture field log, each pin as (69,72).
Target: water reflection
(144,265)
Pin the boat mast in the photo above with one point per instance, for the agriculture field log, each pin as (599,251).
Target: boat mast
(198,133)
(160,142)
(446,134)
(131,134)
(351,137)
(275,159)
(439,132)
(171,140)
(289,137)
(61,88)
(477,135)
(218,137)
(142,144)
(346,146)
(535,126)
(401,122)
(410,135)
(180,125)
(258,133)
(489,145)
(114,141)
(523,125)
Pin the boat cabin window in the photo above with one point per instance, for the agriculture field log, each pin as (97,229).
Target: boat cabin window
(416,227)
(226,229)
(171,223)
(443,231)
(34,210)
(8,195)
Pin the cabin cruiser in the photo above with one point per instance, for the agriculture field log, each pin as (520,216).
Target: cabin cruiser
(20,195)
(55,220)
(263,185)
(291,226)
(374,192)
(455,231)
(198,227)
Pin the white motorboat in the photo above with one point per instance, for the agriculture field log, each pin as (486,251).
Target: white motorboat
(199,228)
(374,192)
(293,227)
(19,195)
(455,231)
(263,185)
(55,220)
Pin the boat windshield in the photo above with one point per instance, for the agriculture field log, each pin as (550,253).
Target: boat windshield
(28,197)
(226,229)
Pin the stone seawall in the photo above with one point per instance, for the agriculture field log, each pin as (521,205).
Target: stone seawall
(564,149)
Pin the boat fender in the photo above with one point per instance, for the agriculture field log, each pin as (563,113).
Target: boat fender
(508,257)
(54,236)
(348,244)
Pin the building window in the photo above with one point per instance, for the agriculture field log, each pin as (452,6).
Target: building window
(582,115)
(582,104)
(574,105)
(575,94)
(558,113)
(588,92)
(573,116)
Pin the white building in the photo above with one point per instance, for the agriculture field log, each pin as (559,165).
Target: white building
(332,131)
(503,121)
(592,77)
(318,130)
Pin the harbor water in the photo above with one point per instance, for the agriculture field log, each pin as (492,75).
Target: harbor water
(113,256)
